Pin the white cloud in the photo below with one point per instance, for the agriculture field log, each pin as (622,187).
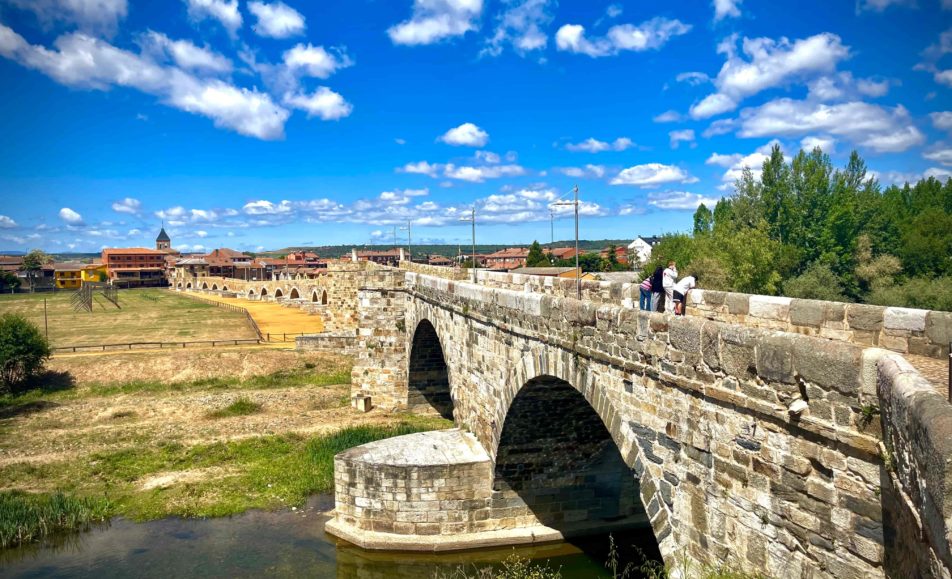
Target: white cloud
(680,200)
(264,207)
(878,128)
(940,153)
(436,20)
(127,205)
(693,78)
(678,137)
(652,175)
(134,232)
(201,233)
(942,120)
(726,9)
(736,163)
(224,11)
(592,145)
(769,63)
(323,103)
(651,34)
(826,144)
(842,86)
(315,60)
(588,171)
(668,117)
(480,174)
(614,10)
(185,54)
(277,20)
(94,16)
(521,25)
(85,62)
(880,5)
(488,157)
(70,217)
(421,168)
(6,222)
(901,178)
(467,134)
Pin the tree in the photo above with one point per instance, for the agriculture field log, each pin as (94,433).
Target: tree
(23,350)
(536,258)
(703,220)
(818,282)
(33,263)
(9,279)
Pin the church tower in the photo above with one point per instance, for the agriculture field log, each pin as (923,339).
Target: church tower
(163,241)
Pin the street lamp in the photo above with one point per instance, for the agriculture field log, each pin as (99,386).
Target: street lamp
(409,241)
(472,219)
(578,273)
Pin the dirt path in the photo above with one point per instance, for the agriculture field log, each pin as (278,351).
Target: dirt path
(934,370)
(274,318)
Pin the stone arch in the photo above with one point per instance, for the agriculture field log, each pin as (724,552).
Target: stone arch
(278,293)
(295,294)
(188,285)
(557,456)
(204,285)
(251,292)
(224,288)
(323,297)
(314,297)
(179,286)
(214,287)
(263,293)
(428,383)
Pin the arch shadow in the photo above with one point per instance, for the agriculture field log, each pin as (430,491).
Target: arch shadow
(295,294)
(188,285)
(214,287)
(204,285)
(428,383)
(224,288)
(263,293)
(278,293)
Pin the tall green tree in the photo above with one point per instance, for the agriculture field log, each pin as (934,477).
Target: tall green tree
(33,263)
(703,220)
(536,257)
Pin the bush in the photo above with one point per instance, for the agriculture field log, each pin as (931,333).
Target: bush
(918,292)
(23,350)
(818,282)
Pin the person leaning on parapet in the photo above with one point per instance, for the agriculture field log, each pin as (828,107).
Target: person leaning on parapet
(657,281)
(681,291)
(670,277)
(644,294)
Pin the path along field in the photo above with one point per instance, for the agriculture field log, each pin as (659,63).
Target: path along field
(144,315)
(273,318)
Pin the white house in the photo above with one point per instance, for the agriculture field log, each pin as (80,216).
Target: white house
(640,248)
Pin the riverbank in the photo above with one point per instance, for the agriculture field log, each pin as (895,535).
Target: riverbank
(194,433)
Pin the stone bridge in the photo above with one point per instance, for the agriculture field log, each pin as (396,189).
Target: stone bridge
(771,433)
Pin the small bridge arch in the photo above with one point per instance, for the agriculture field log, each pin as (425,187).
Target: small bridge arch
(428,375)
(179,285)
(294,294)
(224,288)
(278,293)
(263,293)
(188,285)
(204,285)
(214,287)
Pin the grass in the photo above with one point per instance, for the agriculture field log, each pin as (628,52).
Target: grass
(145,315)
(266,472)
(240,407)
(28,517)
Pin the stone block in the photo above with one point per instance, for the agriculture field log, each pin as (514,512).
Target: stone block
(807,313)
(770,307)
(832,365)
(865,317)
(775,359)
(684,334)
(713,298)
(709,346)
(905,319)
(939,329)
(737,304)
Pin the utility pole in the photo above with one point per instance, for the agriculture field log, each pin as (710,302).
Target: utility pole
(578,273)
(46,323)
(409,241)
(472,220)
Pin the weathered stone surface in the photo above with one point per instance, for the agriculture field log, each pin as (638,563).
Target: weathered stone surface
(807,313)
(770,307)
(905,319)
(737,304)
(865,317)
(775,360)
(939,329)
(829,364)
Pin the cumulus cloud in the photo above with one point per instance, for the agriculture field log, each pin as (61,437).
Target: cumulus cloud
(652,175)
(680,200)
(649,35)
(70,217)
(127,205)
(935,52)
(436,20)
(880,5)
(277,20)
(323,103)
(467,134)
(421,168)
(315,60)
(668,117)
(881,129)
(842,86)
(942,120)
(736,163)
(826,144)
(521,26)
(185,54)
(588,171)
(678,137)
(264,207)
(693,78)
(940,153)
(726,9)
(592,145)
(6,222)
(476,174)
(93,16)
(768,63)
(82,61)
(224,11)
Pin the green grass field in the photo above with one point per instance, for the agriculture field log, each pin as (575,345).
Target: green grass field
(145,315)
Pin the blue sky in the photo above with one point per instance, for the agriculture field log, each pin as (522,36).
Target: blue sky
(266,124)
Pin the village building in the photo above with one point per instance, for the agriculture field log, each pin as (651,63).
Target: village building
(67,275)
(558,253)
(163,241)
(621,254)
(439,260)
(639,250)
(507,259)
(93,273)
(134,266)
(564,272)
(383,257)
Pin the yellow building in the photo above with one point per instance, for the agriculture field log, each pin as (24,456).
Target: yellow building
(94,273)
(67,275)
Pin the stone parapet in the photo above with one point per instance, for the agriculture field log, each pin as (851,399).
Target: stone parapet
(333,342)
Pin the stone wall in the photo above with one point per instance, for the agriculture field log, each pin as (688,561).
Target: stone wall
(333,342)
(917,478)
(380,370)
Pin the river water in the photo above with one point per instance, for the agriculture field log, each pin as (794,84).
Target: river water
(276,544)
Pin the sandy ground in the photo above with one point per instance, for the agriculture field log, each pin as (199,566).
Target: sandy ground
(274,318)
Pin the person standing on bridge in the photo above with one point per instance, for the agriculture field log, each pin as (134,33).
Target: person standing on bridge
(670,277)
(657,280)
(681,291)
(644,294)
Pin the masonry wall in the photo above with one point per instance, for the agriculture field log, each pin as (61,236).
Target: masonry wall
(380,369)
(699,411)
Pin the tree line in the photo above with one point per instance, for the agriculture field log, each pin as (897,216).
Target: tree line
(807,230)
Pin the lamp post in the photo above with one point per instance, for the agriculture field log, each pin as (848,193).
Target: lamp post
(578,274)
(409,241)
(472,220)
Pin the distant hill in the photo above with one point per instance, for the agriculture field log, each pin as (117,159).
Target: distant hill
(12,252)
(333,251)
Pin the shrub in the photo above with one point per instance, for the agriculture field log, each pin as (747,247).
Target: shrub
(818,282)
(240,407)
(23,350)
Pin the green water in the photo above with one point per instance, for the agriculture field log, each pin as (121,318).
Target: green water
(281,544)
